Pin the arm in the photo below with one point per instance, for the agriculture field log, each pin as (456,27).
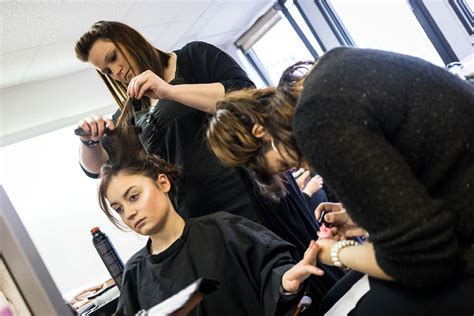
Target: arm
(202,96)
(92,158)
(360,258)
(265,258)
(210,73)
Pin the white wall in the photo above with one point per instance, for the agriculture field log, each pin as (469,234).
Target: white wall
(45,106)
(58,206)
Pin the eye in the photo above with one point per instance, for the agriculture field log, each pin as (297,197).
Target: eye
(113,57)
(133,197)
(284,166)
(119,210)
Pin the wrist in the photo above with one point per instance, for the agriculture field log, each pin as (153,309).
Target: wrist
(336,249)
(90,143)
(170,92)
(285,291)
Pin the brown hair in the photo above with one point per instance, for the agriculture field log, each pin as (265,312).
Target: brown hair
(145,54)
(230,136)
(131,159)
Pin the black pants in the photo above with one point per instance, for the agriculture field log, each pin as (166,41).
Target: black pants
(390,298)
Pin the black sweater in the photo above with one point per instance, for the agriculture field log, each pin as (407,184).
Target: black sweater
(393,137)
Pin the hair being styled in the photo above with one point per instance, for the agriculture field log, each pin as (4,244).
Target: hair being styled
(130,159)
(147,57)
(230,136)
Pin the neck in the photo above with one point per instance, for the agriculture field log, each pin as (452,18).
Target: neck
(168,234)
(170,70)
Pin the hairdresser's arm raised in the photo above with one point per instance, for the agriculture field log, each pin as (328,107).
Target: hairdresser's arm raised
(91,158)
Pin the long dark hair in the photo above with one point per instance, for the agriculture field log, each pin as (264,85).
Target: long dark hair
(129,158)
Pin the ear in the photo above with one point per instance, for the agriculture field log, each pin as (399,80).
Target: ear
(164,183)
(258,131)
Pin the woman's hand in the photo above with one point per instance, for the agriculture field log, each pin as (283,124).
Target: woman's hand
(313,185)
(94,127)
(342,225)
(324,253)
(293,278)
(301,177)
(150,85)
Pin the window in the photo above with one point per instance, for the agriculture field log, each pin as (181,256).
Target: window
(277,40)
(387,25)
(279,48)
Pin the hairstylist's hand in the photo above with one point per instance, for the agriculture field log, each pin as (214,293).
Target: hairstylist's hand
(150,85)
(293,278)
(94,127)
(342,225)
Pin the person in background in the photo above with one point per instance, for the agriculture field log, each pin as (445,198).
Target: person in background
(393,136)
(188,82)
(255,268)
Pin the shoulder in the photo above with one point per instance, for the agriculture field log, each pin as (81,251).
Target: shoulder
(221,217)
(197,45)
(226,224)
(365,62)
(136,260)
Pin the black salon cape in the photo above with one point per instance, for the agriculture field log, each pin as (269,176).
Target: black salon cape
(247,259)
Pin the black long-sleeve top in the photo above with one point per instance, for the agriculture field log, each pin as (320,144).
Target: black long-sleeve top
(393,137)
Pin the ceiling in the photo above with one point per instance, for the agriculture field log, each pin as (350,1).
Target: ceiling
(37,37)
(44,87)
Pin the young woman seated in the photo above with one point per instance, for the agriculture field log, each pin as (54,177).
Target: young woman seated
(255,268)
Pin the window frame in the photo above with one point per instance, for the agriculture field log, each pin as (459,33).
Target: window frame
(464,14)
(280,5)
(335,23)
(433,32)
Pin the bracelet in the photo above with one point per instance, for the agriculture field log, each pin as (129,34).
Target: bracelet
(337,248)
(90,143)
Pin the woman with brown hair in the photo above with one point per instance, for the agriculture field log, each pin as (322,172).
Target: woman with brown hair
(172,95)
(252,129)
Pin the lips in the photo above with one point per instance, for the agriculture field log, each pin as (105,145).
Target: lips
(139,223)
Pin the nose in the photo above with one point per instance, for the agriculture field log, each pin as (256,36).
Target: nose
(130,212)
(116,71)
